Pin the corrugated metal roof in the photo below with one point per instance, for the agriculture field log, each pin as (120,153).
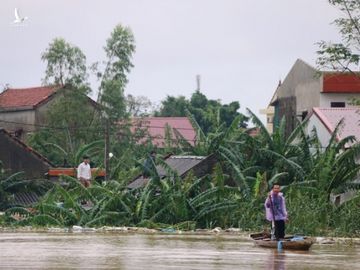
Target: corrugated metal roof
(25,199)
(181,164)
(330,117)
(25,97)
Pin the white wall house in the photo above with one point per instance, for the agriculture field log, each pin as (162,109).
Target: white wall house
(305,87)
(325,120)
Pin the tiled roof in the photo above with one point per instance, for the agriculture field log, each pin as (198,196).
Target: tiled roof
(156,127)
(330,117)
(180,164)
(25,97)
(341,83)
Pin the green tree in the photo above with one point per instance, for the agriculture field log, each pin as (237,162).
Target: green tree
(72,119)
(65,64)
(343,55)
(119,49)
(173,106)
(209,114)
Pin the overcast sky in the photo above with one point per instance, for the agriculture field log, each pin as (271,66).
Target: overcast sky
(241,48)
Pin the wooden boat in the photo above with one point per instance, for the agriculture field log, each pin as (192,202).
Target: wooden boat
(290,242)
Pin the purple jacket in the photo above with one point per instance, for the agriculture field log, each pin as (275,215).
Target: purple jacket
(279,206)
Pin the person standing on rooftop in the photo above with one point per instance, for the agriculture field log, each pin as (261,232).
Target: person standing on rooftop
(84,172)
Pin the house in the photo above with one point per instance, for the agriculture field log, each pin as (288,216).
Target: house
(325,121)
(162,129)
(183,165)
(269,113)
(16,156)
(306,87)
(23,110)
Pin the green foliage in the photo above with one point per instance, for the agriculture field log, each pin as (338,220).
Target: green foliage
(11,184)
(65,64)
(209,114)
(232,195)
(344,55)
(119,49)
(173,106)
(76,123)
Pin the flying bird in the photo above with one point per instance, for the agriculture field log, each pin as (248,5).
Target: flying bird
(18,19)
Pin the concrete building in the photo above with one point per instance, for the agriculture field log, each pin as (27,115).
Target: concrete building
(23,110)
(306,87)
(269,113)
(325,120)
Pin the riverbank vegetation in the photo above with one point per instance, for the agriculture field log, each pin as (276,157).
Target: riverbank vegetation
(232,195)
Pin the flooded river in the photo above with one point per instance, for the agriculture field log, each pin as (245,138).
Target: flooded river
(160,251)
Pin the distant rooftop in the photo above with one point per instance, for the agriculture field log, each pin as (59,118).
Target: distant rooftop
(341,82)
(330,117)
(13,98)
(182,165)
(156,128)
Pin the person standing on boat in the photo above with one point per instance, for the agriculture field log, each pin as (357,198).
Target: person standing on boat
(276,211)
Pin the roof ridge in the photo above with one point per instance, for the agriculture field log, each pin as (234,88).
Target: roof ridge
(34,87)
(305,63)
(158,117)
(27,97)
(339,108)
(323,119)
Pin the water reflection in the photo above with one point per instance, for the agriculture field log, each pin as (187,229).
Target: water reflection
(277,260)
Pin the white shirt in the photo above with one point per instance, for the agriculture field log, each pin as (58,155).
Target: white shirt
(84,171)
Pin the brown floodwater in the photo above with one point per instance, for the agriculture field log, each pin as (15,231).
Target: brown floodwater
(161,251)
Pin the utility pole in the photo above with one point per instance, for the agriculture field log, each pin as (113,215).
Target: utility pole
(198,82)
(107,145)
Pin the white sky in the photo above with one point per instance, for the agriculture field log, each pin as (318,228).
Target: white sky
(241,48)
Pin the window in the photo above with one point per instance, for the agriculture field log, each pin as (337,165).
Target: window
(337,104)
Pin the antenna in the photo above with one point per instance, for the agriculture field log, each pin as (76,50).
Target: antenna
(198,82)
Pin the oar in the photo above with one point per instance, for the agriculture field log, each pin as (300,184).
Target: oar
(279,244)
(273,219)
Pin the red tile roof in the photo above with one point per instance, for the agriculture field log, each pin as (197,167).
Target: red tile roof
(330,117)
(156,127)
(25,97)
(341,83)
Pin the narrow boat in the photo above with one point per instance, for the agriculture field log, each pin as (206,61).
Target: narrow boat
(290,242)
